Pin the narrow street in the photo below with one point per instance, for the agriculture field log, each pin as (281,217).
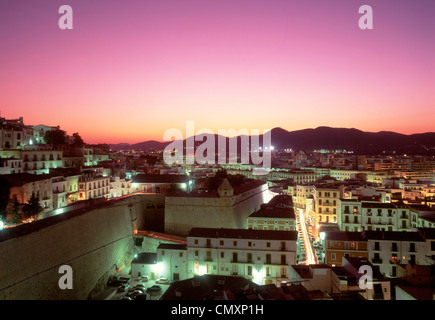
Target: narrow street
(310,258)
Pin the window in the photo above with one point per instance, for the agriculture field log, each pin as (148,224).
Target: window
(235,243)
(221,242)
(268,259)
(196,241)
(412,258)
(376,257)
(249,258)
(268,244)
(412,247)
(222,254)
(249,244)
(180,254)
(235,257)
(196,253)
(163,252)
(333,256)
(377,246)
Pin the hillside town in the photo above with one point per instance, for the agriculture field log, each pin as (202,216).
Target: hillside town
(300,232)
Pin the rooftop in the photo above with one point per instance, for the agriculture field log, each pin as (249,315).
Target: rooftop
(145,258)
(172,246)
(243,234)
(274,212)
(344,236)
(20,179)
(212,287)
(395,236)
(161,178)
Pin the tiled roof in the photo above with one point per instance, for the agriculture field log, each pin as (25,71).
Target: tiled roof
(344,236)
(274,212)
(394,235)
(172,246)
(243,234)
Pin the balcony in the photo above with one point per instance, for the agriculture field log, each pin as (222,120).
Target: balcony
(327,204)
(377,260)
(208,259)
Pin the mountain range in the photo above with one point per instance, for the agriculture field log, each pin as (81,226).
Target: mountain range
(328,138)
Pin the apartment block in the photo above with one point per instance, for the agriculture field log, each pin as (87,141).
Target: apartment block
(262,256)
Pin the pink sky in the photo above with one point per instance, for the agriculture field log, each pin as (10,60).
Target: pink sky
(129,70)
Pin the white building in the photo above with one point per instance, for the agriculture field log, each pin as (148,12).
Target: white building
(172,261)
(11,165)
(262,256)
(59,187)
(145,264)
(387,249)
(119,187)
(93,186)
(353,215)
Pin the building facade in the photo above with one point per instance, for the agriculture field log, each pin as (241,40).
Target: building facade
(262,256)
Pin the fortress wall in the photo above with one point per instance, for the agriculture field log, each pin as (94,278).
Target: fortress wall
(94,244)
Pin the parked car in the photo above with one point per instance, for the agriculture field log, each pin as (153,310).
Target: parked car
(140,296)
(162,281)
(140,287)
(134,293)
(143,279)
(154,288)
(124,287)
(126,298)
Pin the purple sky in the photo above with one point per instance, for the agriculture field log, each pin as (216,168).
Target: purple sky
(129,70)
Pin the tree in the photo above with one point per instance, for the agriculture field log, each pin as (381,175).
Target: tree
(55,137)
(32,208)
(15,212)
(78,141)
